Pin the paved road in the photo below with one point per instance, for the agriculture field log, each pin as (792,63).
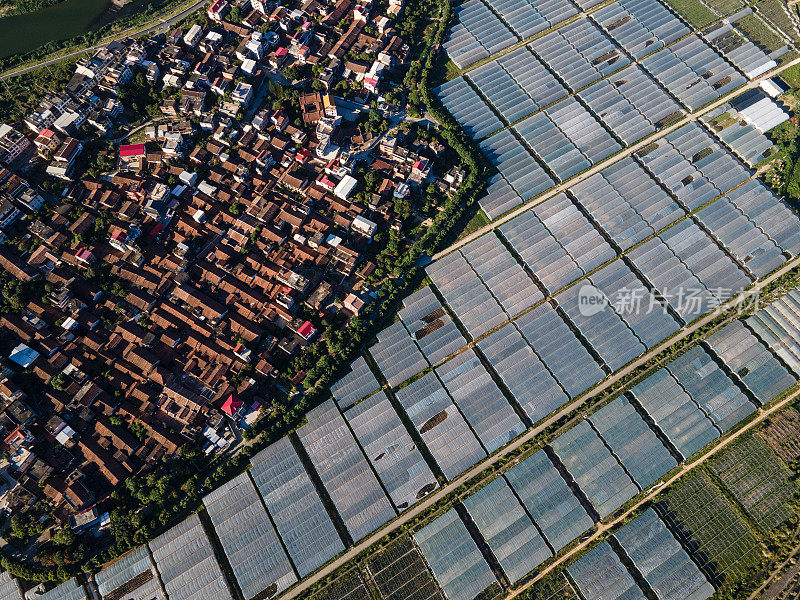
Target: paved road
(565,411)
(157,24)
(617,157)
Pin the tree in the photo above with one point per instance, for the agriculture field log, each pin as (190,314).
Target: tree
(64,537)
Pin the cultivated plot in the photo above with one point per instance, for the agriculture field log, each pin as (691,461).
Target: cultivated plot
(349,586)
(758,480)
(709,526)
(400,573)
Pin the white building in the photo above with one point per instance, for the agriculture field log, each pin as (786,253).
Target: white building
(345,187)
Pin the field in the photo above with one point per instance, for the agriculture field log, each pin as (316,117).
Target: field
(710,527)
(775,12)
(725,7)
(349,586)
(782,434)
(400,573)
(758,480)
(697,13)
(479,220)
(553,587)
(757,32)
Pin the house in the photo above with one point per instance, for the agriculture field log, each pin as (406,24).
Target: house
(345,187)
(364,226)
(12,143)
(193,36)
(218,10)
(131,156)
(243,93)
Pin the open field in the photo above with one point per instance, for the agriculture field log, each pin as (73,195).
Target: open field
(400,573)
(348,587)
(775,12)
(725,7)
(697,13)
(782,434)
(709,526)
(758,480)
(758,33)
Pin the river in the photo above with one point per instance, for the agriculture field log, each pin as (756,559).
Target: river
(23,33)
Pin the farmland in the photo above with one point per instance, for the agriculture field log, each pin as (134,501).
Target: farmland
(710,527)
(349,586)
(725,7)
(697,13)
(555,587)
(775,12)
(758,480)
(758,32)
(782,434)
(400,573)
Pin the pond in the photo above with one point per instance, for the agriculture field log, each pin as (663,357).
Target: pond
(24,33)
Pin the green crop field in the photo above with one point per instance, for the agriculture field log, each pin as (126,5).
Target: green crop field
(697,13)
(758,480)
(757,32)
(710,526)
(775,12)
(725,7)
(349,586)
(400,573)
(553,587)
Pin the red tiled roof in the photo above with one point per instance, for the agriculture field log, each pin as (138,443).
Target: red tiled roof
(306,330)
(231,405)
(131,150)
